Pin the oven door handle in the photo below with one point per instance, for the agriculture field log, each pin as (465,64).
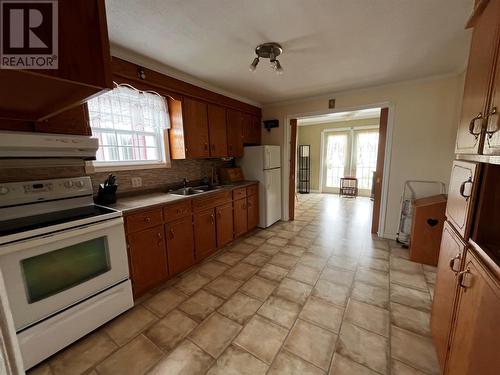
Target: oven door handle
(60,235)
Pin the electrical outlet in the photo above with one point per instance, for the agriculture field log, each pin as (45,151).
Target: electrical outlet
(136,182)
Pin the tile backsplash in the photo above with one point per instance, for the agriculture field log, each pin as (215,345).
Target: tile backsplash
(152,179)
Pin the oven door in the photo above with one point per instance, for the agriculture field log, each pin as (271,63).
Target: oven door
(47,274)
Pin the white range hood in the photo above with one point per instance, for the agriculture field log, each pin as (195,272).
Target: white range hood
(43,145)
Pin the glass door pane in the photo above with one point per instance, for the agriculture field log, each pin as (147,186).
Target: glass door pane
(50,273)
(335,159)
(366,158)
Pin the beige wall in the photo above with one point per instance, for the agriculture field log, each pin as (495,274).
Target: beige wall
(425,116)
(311,135)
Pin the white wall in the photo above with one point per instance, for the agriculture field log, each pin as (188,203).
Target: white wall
(425,118)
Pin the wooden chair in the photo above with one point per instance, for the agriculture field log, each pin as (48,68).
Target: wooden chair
(348,187)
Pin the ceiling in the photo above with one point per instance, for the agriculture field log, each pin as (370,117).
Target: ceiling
(360,114)
(329,45)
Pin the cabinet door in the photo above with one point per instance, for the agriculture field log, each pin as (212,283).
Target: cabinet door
(477,81)
(72,121)
(234,133)
(240,217)
(460,196)
(476,333)
(492,143)
(246,121)
(253,211)
(224,220)
(195,120)
(148,259)
(217,130)
(451,256)
(256,130)
(205,239)
(180,244)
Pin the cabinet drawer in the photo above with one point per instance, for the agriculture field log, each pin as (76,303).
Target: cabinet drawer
(176,211)
(211,201)
(239,193)
(461,194)
(252,190)
(143,220)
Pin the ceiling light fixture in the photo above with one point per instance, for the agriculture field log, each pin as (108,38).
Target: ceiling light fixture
(268,51)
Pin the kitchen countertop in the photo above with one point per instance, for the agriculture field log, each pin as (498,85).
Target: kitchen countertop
(149,200)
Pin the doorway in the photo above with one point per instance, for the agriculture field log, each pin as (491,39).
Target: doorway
(349,153)
(357,150)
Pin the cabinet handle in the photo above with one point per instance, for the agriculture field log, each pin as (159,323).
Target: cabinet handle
(147,219)
(464,279)
(452,263)
(492,120)
(171,232)
(158,235)
(462,188)
(212,219)
(178,210)
(472,125)
(219,215)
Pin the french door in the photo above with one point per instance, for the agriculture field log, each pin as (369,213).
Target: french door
(349,153)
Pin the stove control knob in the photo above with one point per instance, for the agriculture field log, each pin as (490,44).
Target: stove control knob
(4,190)
(68,184)
(80,184)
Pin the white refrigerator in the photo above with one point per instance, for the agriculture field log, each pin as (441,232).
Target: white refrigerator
(263,163)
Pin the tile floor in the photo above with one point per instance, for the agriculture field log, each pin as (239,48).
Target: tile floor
(316,296)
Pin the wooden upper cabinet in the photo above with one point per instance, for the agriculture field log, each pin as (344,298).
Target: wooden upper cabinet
(252,211)
(71,121)
(147,259)
(256,130)
(476,340)
(195,121)
(217,130)
(492,137)
(84,67)
(205,237)
(240,217)
(461,194)
(251,129)
(234,133)
(482,56)
(224,220)
(451,257)
(180,244)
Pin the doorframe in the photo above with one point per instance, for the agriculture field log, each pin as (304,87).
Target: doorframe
(322,146)
(387,155)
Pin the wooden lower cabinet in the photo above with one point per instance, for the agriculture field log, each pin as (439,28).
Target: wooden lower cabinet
(205,237)
(224,221)
(147,259)
(252,211)
(475,343)
(240,217)
(449,265)
(180,245)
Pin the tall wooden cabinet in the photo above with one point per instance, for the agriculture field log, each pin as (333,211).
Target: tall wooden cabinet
(205,233)
(466,304)
(217,130)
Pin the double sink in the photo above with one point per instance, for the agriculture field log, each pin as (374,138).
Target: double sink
(196,189)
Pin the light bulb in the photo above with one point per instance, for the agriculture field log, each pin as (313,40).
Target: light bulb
(278,68)
(253,65)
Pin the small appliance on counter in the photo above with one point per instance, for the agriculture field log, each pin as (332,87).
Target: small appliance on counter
(64,263)
(107,191)
(230,175)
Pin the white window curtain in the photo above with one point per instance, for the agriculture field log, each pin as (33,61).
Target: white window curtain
(130,125)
